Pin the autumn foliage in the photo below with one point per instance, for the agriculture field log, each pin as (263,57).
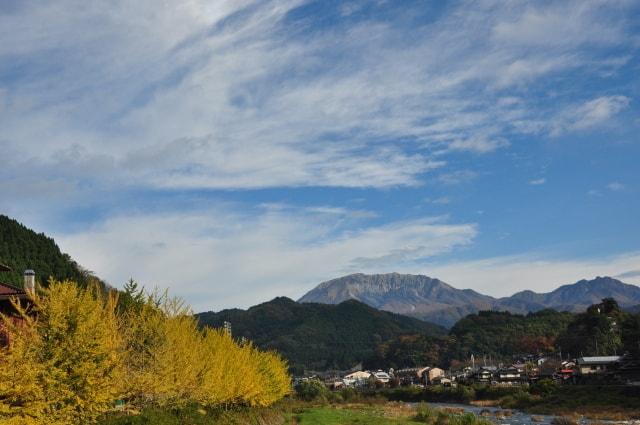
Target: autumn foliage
(78,353)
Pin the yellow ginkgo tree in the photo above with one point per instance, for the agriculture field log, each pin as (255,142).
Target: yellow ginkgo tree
(64,357)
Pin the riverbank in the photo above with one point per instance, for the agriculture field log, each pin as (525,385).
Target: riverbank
(314,404)
(593,402)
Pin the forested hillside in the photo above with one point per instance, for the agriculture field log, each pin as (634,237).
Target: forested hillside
(503,334)
(603,329)
(21,248)
(319,336)
(322,336)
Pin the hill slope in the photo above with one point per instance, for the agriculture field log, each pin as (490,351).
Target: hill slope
(318,336)
(435,301)
(21,248)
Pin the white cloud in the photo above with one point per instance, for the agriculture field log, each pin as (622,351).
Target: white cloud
(538,182)
(616,186)
(224,258)
(443,200)
(457,177)
(503,276)
(590,114)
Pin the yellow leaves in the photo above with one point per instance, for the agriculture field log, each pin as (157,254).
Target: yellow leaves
(64,363)
(171,363)
(75,357)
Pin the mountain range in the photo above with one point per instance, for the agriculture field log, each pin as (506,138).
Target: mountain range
(435,301)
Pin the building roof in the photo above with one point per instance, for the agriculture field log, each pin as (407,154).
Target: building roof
(598,359)
(358,375)
(7,291)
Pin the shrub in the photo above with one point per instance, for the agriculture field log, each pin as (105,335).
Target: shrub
(544,387)
(311,390)
(425,413)
(467,394)
(349,394)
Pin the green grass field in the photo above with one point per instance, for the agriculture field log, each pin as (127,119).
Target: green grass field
(331,416)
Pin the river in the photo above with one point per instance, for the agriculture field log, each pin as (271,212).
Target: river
(517,417)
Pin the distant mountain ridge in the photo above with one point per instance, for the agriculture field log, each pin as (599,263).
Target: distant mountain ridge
(438,302)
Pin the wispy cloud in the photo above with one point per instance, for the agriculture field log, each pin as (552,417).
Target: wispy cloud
(112,101)
(457,177)
(590,114)
(538,182)
(247,94)
(443,200)
(503,276)
(616,186)
(631,274)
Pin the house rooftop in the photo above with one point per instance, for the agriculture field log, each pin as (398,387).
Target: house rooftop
(7,291)
(598,359)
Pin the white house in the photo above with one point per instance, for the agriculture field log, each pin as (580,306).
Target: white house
(382,376)
(356,379)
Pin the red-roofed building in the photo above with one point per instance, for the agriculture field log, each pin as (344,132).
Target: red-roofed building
(7,293)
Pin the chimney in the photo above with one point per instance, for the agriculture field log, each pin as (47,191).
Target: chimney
(30,281)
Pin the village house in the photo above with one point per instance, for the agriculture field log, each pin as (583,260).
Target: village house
(443,380)
(598,365)
(356,379)
(9,292)
(484,375)
(512,375)
(433,375)
(381,377)
(410,376)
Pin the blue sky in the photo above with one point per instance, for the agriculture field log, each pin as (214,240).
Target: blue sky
(235,151)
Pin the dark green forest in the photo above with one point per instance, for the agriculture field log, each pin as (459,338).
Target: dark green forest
(21,248)
(603,329)
(319,336)
(501,335)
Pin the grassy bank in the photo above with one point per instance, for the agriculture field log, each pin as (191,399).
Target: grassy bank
(598,402)
(302,413)
(382,414)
